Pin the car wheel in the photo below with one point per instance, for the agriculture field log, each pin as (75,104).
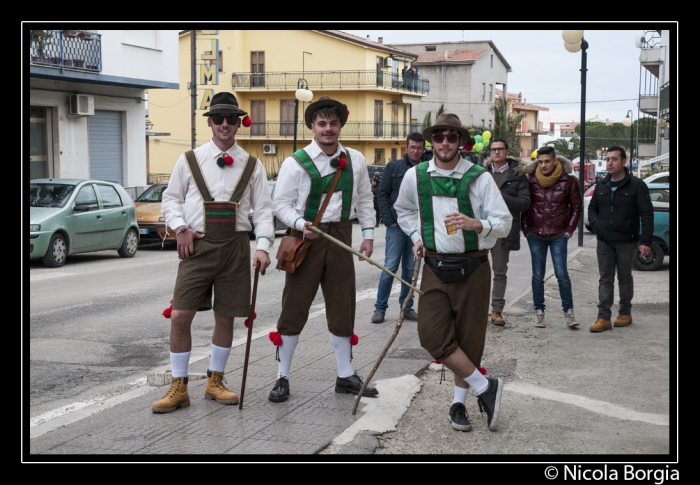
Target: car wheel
(130,244)
(56,254)
(651,262)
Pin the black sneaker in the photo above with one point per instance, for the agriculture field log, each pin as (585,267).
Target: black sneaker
(353,385)
(280,392)
(411,314)
(378,317)
(490,400)
(459,417)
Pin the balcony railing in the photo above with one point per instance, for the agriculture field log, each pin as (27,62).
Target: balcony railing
(352,129)
(330,80)
(74,49)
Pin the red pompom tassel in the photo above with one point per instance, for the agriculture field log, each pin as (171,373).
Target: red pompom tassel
(342,163)
(438,362)
(354,339)
(228,159)
(276,338)
(168,311)
(247,323)
(247,121)
(482,370)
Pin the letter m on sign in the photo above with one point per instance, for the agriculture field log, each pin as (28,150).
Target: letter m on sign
(209,74)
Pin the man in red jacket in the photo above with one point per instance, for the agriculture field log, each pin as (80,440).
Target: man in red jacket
(550,222)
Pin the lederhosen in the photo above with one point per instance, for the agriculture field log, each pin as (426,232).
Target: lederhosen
(326,263)
(221,258)
(453,314)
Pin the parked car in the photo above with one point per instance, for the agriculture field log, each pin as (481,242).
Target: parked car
(70,216)
(373,170)
(658,178)
(149,217)
(587,200)
(660,244)
(279,225)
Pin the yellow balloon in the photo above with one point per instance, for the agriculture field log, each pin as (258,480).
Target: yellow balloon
(486,135)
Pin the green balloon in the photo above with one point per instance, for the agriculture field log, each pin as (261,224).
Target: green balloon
(486,135)
(487,143)
(478,138)
(479,147)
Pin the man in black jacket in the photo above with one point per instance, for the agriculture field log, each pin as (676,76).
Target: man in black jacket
(511,180)
(618,203)
(399,247)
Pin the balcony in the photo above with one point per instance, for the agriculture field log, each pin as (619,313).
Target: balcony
(664,101)
(649,105)
(357,130)
(362,80)
(651,59)
(71,49)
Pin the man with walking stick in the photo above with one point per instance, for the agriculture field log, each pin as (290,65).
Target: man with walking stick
(454,213)
(211,191)
(302,184)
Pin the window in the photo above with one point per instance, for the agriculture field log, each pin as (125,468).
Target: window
(110,196)
(257,114)
(492,61)
(39,136)
(490,92)
(379,156)
(394,121)
(287,117)
(483,91)
(490,124)
(378,117)
(87,197)
(394,155)
(257,68)
(430,48)
(483,122)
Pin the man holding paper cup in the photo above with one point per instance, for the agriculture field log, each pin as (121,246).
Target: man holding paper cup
(455,214)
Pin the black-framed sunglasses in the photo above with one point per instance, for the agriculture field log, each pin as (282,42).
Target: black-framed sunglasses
(451,138)
(230,119)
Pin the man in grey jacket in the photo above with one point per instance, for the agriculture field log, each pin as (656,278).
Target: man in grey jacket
(511,180)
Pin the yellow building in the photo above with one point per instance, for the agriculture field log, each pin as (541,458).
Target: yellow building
(264,69)
(530,127)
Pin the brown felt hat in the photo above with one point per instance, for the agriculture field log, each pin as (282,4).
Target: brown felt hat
(446,121)
(326,102)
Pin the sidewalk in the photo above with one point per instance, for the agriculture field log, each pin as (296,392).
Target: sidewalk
(317,420)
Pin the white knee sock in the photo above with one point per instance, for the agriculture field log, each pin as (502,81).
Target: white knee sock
(477,381)
(180,362)
(342,348)
(219,356)
(460,395)
(286,352)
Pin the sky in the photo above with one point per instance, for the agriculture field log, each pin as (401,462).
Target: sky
(547,74)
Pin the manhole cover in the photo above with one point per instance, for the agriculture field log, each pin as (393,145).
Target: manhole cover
(412,354)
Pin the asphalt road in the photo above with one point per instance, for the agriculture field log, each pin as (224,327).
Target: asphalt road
(96,327)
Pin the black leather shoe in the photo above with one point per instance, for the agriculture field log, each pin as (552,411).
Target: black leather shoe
(280,392)
(353,385)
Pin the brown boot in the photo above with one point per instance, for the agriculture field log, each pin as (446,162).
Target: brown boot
(176,397)
(623,320)
(601,325)
(497,318)
(216,390)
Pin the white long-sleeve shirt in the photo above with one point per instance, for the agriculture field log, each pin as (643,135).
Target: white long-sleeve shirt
(221,183)
(486,201)
(294,185)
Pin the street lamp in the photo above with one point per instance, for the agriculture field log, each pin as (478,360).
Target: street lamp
(574,42)
(628,122)
(302,94)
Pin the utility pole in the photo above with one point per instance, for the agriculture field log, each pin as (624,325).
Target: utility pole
(193,85)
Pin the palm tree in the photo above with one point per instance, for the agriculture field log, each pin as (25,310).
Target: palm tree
(505,122)
(427,120)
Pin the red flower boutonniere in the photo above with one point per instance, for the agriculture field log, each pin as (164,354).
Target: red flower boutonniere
(247,323)
(225,161)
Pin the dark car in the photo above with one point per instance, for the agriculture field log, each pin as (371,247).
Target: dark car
(660,241)
(373,170)
(279,225)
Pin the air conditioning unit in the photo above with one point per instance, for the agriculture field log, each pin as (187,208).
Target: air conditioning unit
(269,149)
(81,105)
(388,62)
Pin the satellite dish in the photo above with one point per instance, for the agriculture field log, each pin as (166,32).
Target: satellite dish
(639,40)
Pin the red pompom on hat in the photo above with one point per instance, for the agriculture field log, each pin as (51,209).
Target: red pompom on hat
(168,311)
(247,323)
(276,338)
(247,121)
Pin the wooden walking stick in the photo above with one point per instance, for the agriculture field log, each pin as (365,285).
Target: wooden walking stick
(357,253)
(251,317)
(416,269)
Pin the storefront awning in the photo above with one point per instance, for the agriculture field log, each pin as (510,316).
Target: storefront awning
(411,100)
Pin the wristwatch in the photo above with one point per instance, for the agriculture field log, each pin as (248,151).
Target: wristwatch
(177,233)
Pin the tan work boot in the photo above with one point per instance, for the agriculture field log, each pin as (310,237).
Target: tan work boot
(623,320)
(601,325)
(497,318)
(176,397)
(216,390)
(539,322)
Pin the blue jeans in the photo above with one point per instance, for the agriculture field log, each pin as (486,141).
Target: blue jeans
(399,249)
(538,252)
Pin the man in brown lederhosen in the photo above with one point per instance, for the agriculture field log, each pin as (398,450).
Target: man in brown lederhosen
(211,192)
(302,185)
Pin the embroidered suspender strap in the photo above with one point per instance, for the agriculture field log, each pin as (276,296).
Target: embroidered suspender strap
(317,220)
(426,209)
(319,185)
(244,179)
(471,238)
(196,172)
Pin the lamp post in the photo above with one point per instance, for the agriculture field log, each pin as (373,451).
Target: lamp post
(628,122)
(302,94)
(574,42)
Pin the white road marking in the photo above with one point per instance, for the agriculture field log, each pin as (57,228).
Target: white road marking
(600,407)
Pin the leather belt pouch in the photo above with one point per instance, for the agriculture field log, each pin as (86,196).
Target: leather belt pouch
(291,253)
(457,269)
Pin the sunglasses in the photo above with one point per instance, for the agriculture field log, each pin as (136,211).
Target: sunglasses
(230,119)
(451,138)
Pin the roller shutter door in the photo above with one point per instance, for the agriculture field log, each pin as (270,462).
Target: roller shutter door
(105,144)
